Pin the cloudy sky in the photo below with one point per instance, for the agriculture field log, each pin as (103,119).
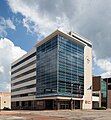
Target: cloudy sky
(24,22)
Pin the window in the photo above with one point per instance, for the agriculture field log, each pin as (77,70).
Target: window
(25,73)
(71,68)
(47,68)
(28,57)
(60,63)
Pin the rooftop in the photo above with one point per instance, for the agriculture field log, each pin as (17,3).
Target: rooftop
(72,35)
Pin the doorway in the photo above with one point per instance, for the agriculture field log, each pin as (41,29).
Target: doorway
(77,104)
(49,104)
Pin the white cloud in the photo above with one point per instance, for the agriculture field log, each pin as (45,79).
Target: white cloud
(103,64)
(8,53)
(106,74)
(4,25)
(10,24)
(90,18)
(36,20)
(30,26)
(1,69)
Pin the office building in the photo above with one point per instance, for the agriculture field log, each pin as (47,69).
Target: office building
(23,81)
(99,92)
(5,100)
(55,74)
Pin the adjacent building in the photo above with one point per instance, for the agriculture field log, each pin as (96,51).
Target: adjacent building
(99,92)
(55,74)
(5,100)
(108,81)
(23,81)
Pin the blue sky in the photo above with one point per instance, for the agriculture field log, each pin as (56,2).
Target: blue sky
(20,36)
(24,22)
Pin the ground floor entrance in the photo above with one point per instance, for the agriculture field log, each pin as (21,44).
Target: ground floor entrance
(48,104)
(61,104)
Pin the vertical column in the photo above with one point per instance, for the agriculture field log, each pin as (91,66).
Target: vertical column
(74,104)
(20,105)
(44,105)
(100,98)
(87,98)
(81,102)
(107,96)
(71,104)
(57,104)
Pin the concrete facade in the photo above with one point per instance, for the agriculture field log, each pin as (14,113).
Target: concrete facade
(87,103)
(24,80)
(23,86)
(5,100)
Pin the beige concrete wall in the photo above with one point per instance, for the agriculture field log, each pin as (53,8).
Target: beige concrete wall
(87,102)
(24,70)
(24,91)
(24,77)
(24,63)
(27,98)
(24,56)
(5,100)
(97,98)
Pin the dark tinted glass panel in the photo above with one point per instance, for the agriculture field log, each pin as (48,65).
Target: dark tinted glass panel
(25,73)
(103,88)
(60,68)
(32,55)
(47,68)
(109,80)
(71,68)
(23,67)
(24,88)
(24,80)
(109,87)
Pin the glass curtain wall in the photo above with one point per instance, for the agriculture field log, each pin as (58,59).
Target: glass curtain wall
(60,68)
(70,68)
(103,93)
(47,68)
